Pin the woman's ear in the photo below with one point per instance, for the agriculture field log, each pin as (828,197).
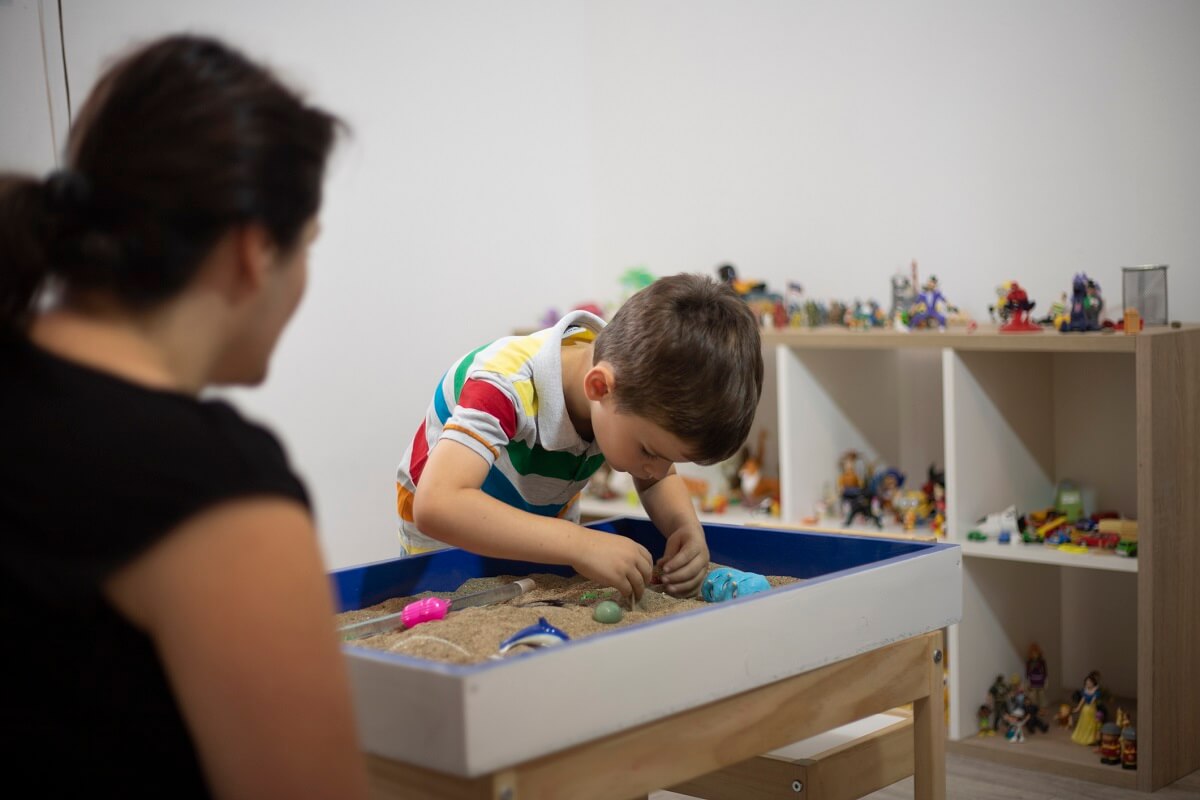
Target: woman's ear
(599,382)
(255,251)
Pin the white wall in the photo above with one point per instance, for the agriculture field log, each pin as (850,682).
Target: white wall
(510,157)
(32,90)
(833,141)
(456,211)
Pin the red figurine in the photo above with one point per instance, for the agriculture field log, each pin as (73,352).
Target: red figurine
(1018,305)
(1110,743)
(1128,748)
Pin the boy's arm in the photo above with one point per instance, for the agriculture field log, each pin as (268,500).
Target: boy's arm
(450,506)
(669,505)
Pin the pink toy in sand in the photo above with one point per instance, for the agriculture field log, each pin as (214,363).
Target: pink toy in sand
(430,609)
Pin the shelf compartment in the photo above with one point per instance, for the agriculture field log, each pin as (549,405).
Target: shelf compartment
(886,404)
(1019,423)
(1082,620)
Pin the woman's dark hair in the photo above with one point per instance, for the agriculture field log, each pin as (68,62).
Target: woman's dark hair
(179,141)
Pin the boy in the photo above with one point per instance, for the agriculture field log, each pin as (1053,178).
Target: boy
(518,426)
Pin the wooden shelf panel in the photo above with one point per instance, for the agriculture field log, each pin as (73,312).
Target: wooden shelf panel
(986,337)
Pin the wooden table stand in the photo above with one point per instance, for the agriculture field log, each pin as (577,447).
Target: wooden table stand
(672,751)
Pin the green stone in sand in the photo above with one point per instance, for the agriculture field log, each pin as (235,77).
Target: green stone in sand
(607,612)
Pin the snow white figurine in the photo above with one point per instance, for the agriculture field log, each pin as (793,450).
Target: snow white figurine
(1087,729)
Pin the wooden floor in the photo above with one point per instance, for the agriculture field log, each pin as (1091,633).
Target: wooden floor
(973,779)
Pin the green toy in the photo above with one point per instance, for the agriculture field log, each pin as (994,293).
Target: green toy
(1068,500)
(607,612)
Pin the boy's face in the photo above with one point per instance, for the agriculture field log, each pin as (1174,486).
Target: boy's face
(630,443)
(635,445)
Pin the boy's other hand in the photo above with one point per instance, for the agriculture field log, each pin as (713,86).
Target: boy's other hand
(613,560)
(685,561)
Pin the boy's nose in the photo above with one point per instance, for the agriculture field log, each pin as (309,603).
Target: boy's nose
(658,468)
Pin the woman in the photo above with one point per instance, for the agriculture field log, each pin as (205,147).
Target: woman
(168,621)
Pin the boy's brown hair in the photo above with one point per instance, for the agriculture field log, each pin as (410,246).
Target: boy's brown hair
(687,356)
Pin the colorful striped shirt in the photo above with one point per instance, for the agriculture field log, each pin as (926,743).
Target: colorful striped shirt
(505,402)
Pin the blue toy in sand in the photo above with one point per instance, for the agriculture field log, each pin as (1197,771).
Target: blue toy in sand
(726,583)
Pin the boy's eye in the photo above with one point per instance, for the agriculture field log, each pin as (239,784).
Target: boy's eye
(646,452)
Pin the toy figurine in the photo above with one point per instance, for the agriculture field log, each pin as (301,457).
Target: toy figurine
(1018,305)
(1086,305)
(934,508)
(755,487)
(1128,748)
(1033,715)
(1016,720)
(928,307)
(886,485)
(850,478)
(1131,322)
(862,501)
(1064,715)
(1087,728)
(726,583)
(903,294)
(633,280)
(1110,743)
(728,274)
(1035,675)
(984,716)
(794,298)
(999,522)
(998,311)
(999,694)
(1057,316)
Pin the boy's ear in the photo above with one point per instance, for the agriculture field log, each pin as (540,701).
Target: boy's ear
(598,383)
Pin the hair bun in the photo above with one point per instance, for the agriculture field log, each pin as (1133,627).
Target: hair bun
(67,192)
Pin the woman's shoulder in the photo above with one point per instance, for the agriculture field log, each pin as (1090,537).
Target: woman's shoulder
(67,413)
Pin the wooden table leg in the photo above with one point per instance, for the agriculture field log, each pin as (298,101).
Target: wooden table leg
(929,730)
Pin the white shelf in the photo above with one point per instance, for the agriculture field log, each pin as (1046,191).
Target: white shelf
(1041,554)
(735,515)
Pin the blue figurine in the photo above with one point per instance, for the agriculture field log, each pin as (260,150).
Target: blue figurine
(541,634)
(1086,305)
(927,308)
(725,583)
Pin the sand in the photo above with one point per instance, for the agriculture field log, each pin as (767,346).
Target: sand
(472,635)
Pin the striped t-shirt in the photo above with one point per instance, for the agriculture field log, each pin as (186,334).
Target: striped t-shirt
(505,401)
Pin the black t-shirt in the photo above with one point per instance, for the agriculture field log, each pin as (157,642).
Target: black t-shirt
(93,471)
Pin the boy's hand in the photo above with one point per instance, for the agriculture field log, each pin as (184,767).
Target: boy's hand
(613,560)
(685,562)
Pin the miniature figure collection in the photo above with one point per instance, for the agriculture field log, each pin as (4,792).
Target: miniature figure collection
(870,492)
(876,495)
(921,305)
(1063,525)
(1015,706)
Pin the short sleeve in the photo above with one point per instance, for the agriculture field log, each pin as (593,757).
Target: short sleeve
(485,418)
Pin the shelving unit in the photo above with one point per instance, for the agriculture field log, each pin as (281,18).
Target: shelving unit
(1009,416)
(592,509)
